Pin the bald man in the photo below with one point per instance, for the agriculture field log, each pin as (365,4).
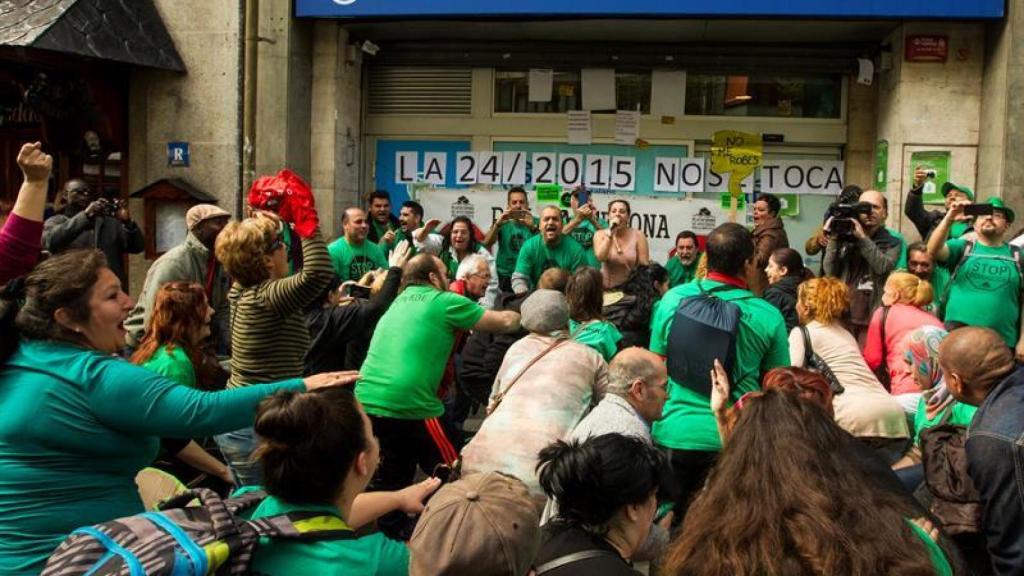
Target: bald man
(865,262)
(980,370)
(636,394)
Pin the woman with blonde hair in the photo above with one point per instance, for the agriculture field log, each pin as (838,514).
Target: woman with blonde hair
(863,407)
(269,338)
(902,312)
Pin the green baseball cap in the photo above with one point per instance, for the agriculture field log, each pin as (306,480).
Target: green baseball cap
(949,187)
(998,204)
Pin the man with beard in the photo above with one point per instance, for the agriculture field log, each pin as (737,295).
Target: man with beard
(92,222)
(921,264)
(351,255)
(551,249)
(682,267)
(863,263)
(382,222)
(985,274)
(411,227)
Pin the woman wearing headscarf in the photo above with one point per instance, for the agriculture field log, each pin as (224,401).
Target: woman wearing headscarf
(936,403)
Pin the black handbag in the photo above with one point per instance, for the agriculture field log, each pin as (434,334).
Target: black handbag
(818,364)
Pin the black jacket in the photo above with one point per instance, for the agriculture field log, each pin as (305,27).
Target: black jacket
(106,233)
(484,351)
(924,220)
(783,295)
(331,330)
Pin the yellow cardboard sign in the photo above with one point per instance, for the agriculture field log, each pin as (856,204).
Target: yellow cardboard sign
(736,154)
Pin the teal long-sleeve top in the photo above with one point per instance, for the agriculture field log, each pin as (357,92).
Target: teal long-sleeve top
(75,428)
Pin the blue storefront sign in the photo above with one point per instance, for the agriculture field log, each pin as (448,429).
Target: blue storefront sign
(822,9)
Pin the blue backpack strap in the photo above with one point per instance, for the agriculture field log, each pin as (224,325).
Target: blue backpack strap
(130,560)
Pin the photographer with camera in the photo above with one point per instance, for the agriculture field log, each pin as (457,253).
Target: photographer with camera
(90,221)
(985,283)
(927,221)
(861,253)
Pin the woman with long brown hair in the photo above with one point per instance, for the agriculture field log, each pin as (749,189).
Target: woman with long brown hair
(178,325)
(786,498)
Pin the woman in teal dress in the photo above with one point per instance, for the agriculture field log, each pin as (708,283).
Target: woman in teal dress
(79,422)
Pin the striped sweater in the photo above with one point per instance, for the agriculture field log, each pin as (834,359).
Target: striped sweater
(268,326)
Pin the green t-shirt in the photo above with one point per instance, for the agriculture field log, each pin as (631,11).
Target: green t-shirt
(535,257)
(761,344)
(379,230)
(958,229)
(409,350)
(986,290)
(400,235)
(511,237)
(351,262)
(372,555)
(584,234)
(679,273)
(173,363)
(961,415)
(599,335)
(939,279)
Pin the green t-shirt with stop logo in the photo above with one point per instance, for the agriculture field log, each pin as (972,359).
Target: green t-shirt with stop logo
(584,234)
(511,237)
(351,262)
(986,290)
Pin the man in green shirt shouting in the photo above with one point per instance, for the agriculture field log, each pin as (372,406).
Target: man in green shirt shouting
(985,274)
(551,249)
(351,255)
(682,267)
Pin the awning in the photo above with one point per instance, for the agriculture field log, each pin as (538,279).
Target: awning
(119,31)
(816,9)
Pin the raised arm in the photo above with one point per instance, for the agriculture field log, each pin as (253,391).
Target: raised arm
(492,233)
(294,293)
(937,241)
(21,237)
(603,244)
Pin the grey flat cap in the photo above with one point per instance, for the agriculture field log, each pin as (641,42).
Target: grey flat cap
(545,311)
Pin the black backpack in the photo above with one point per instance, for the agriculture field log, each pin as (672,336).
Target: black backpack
(704,329)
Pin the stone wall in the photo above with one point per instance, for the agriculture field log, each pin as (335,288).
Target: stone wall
(201,107)
(931,106)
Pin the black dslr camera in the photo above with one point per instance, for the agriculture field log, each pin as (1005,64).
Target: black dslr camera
(843,216)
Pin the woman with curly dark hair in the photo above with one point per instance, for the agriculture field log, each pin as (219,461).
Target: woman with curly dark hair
(786,498)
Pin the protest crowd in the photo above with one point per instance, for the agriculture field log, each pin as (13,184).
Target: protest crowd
(532,396)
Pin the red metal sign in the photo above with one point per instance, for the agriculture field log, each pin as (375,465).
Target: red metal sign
(926,48)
